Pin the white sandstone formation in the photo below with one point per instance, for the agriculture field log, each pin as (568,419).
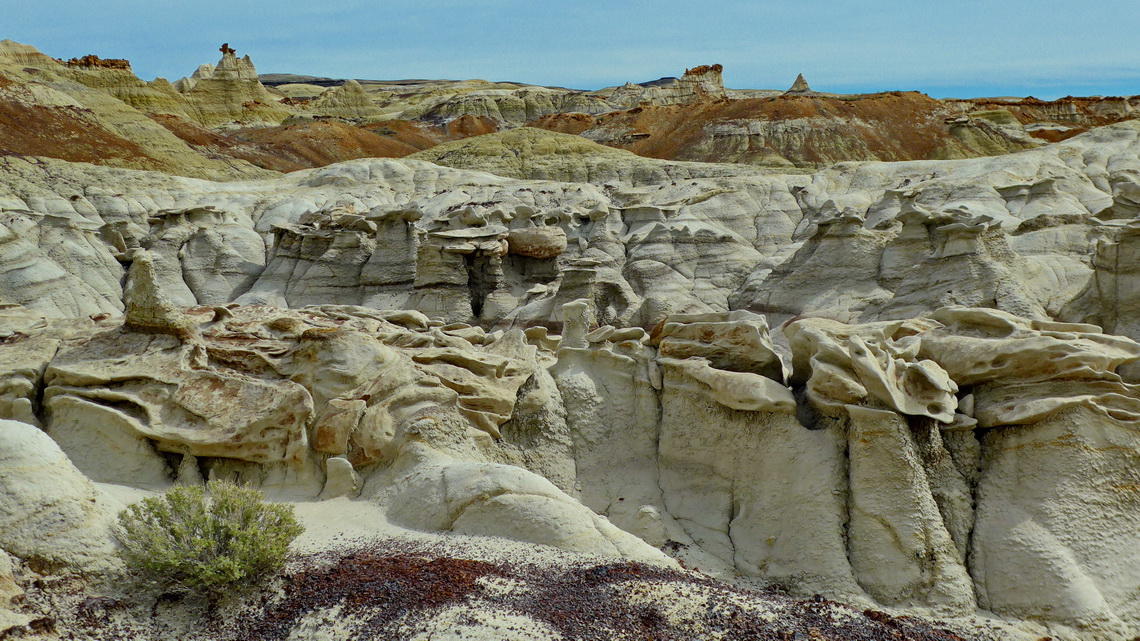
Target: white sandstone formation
(1036,234)
(285,398)
(908,386)
(888,469)
(703,82)
(800,86)
(48,510)
(348,101)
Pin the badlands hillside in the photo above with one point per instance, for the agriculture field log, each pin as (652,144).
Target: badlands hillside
(659,361)
(224,121)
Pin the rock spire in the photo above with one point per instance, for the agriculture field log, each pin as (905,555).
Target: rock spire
(800,85)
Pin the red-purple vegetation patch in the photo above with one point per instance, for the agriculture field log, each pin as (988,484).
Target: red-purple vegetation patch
(387,590)
(378,588)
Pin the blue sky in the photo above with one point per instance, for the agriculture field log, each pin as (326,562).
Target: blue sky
(962,48)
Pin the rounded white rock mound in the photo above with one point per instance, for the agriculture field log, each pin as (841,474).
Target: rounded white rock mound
(432,492)
(48,509)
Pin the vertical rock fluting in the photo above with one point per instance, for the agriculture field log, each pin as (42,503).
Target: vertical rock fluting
(1058,522)
(1117,282)
(688,437)
(900,548)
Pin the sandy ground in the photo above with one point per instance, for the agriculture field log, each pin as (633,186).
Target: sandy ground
(341,523)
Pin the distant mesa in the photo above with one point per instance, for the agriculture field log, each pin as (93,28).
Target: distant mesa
(703,82)
(799,86)
(95,62)
(660,82)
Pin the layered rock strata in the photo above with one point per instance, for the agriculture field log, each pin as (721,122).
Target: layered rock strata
(222,122)
(346,101)
(703,82)
(890,384)
(937,464)
(230,93)
(1042,234)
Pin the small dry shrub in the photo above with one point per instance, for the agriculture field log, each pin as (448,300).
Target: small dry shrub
(206,540)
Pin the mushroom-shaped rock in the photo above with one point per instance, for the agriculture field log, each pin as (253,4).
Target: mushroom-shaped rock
(537,242)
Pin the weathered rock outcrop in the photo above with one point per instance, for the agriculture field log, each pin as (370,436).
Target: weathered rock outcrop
(700,83)
(99,115)
(890,384)
(48,510)
(807,130)
(799,86)
(220,120)
(1049,405)
(230,94)
(282,399)
(533,154)
(644,239)
(508,107)
(346,101)
(889,469)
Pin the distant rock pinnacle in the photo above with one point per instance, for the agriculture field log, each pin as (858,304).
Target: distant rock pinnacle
(800,85)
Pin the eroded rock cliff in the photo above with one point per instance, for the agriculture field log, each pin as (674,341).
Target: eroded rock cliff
(907,386)
(938,464)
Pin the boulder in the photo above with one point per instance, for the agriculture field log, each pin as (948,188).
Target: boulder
(537,242)
(48,510)
(432,492)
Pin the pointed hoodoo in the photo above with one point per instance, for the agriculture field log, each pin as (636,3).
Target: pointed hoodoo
(230,94)
(800,85)
(230,67)
(148,308)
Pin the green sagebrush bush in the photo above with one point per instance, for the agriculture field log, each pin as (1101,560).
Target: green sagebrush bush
(206,540)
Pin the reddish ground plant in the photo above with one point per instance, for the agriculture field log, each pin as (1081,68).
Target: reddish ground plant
(390,590)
